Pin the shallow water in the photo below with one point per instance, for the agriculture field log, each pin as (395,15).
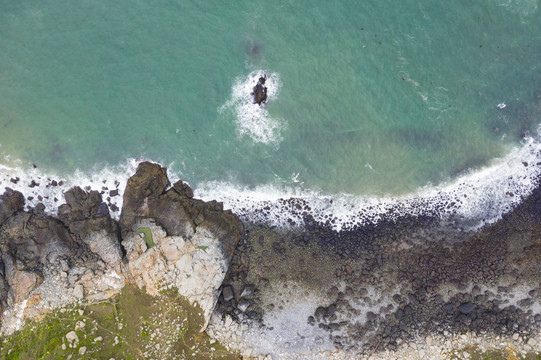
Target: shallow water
(364,99)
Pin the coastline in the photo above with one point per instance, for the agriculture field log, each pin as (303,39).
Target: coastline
(412,288)
(417,286)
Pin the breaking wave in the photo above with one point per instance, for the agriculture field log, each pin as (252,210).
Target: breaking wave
(252,120)
(478,198)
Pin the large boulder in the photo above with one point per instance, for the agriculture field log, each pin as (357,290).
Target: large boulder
(11,202)
(35,239)
(146,196)
(149,181)
(88,218)
(23,282)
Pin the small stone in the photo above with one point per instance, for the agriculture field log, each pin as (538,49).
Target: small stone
(243,305)
(515,336)
(227,293)
(82,350)
(531,342)
(428,340)
(81,312)
(78,292)
(72,337)
(99,338)
(466,308)
(63,346)
(228,321)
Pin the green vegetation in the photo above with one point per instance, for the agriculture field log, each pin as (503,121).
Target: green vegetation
(133,325)
(147,236)
(508,353)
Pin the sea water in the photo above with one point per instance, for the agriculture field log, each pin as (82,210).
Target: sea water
(371,104)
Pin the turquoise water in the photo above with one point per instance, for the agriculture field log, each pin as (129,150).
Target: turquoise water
(373,97)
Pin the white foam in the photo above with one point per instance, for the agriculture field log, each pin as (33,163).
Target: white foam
(479,197)
(102,180)
(251,119)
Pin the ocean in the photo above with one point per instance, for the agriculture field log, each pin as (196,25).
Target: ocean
(418,106)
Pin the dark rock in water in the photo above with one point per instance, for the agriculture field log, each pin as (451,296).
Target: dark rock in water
(260,91)
(113,193)
(149,182)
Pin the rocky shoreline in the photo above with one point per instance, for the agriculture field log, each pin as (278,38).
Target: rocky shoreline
(49,261)
(416,287)
(411,287)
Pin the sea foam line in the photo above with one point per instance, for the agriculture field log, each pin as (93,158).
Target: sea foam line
(49,188)
(479,197)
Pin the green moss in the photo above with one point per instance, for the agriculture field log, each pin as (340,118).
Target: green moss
(133,325)
(147,236)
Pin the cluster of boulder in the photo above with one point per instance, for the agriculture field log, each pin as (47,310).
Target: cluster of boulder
(387,287)
(47,261)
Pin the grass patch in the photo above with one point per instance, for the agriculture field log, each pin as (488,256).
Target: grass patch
(147,236)
(508,353)
(133,325)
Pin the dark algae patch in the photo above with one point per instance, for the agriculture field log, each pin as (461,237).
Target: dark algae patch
(133,325)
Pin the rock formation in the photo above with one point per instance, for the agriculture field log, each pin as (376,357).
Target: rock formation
(193,240)
(88,218)
(84,253)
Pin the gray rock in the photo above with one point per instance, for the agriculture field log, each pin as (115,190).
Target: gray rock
(88,218)
(227,292)
(243,305)
(78,292)
(466,308)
